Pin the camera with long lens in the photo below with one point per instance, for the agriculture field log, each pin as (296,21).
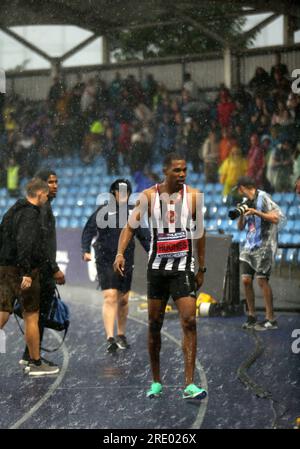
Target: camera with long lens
(241,209)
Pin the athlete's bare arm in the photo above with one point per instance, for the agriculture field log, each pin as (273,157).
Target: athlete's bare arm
(197,205)
(143,206)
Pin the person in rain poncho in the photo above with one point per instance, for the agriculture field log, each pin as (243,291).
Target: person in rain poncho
(261,220)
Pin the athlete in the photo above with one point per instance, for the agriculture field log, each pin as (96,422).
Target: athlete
(175,219)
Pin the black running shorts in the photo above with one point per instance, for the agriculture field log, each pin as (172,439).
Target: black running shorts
(109,279)
(248,271)
(177,284)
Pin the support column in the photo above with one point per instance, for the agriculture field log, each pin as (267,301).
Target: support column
(288,30)
(105,50)
(231,68)
(55,67)
(227,58)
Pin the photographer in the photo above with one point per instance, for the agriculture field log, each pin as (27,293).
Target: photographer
(261,217)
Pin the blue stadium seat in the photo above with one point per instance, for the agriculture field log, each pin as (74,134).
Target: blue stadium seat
(219,188)
(91,200)
(293,212)
(73,190)
(297,226)
(289,227)
(67,211)
(3,202)
(70,201)
(212,212)
(59,201)
(209,188)
(88,211)
(62,222)
(277,198)
(285,238)
(296,239)
(63,190)
(74,222)
(288,198)
(78,211)
(222,212)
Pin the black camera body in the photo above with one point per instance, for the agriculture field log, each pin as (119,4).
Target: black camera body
(241,209)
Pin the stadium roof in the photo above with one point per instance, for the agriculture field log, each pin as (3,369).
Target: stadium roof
(103,16)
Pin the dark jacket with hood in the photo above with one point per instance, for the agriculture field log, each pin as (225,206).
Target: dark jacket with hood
(49,230)
(106,244)
(22,242)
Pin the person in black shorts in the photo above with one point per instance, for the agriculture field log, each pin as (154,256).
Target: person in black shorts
(173,209)
(106,224)
(21,259)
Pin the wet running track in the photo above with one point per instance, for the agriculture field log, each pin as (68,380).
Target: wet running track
(96,390)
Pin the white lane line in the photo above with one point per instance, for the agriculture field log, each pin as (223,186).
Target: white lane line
(51,390)
(203,404)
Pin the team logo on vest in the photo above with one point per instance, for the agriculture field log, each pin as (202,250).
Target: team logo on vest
(171,216)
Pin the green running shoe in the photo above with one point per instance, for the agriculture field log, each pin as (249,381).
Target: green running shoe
(155,390)
(194,392)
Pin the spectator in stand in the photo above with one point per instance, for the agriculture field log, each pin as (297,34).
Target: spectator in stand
(282,166)
(12,172)
(210,155)
(57,90)
(190,86)
(297,185)
(241,136)
(225,108)
(124,139)
(110,152)
(281,115)
(296,165)
(193,141)
(140,150)
(232,169)
(93,142)
(88,97)
(261,81)
(279,67)
(225,145)
(256,161)
(280,86)
(150,88)
(115,89)
(259,110)
(165,139)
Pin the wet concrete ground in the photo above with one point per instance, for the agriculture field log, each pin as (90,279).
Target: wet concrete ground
(99,390)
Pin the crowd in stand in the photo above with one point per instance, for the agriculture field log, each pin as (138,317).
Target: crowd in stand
(253,130)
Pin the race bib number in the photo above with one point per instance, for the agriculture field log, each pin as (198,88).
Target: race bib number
(172,245)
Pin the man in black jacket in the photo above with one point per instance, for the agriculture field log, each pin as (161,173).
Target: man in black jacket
(50,274)
(106,224)
(21,256)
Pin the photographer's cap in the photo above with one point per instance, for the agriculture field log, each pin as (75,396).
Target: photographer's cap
(244,181)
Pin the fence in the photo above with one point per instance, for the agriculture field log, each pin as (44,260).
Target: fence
(207,70)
